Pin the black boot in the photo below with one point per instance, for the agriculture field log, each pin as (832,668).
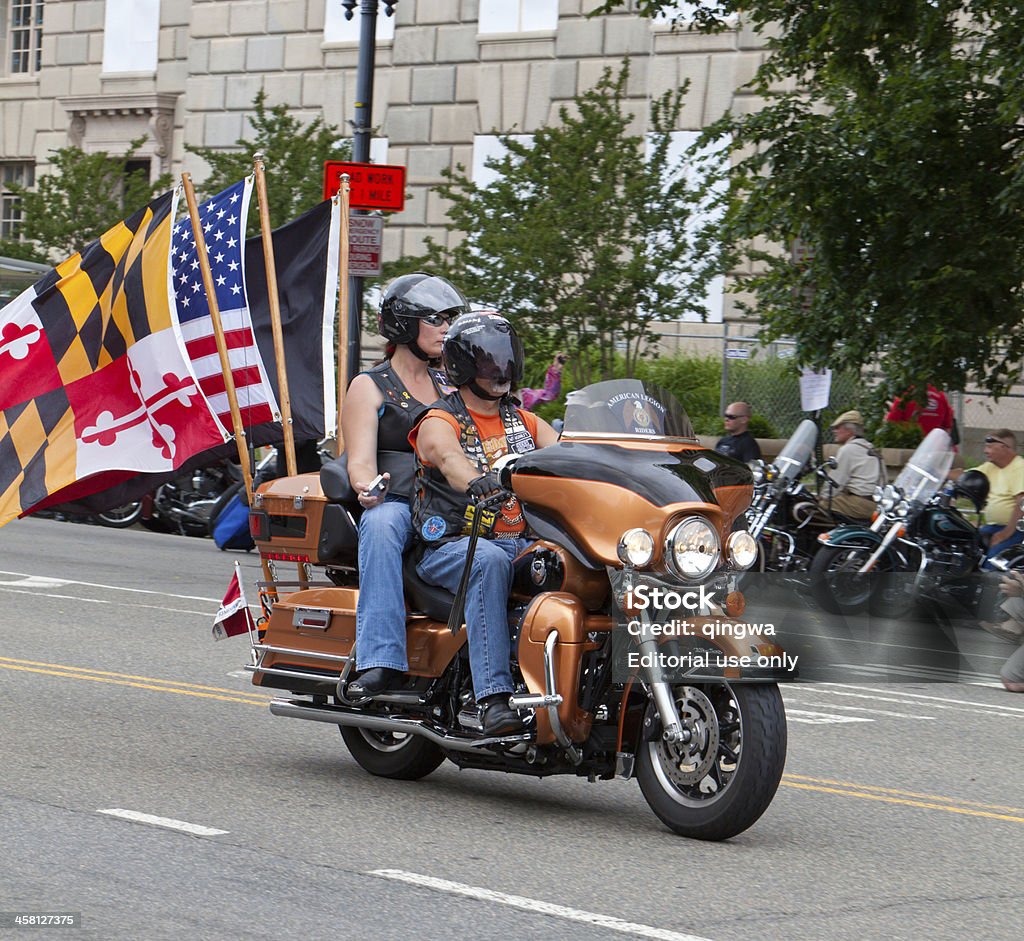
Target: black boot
(374,682)
(498,717)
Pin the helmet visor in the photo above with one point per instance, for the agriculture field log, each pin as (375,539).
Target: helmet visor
(433,296)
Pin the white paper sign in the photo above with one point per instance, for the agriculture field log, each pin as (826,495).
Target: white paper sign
(815,388)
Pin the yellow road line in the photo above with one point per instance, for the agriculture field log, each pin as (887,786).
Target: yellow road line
(234,697)
(949,808)
(892,790)
(90,673)
(801,782)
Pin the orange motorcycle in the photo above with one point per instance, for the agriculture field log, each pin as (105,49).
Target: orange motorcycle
(628,652)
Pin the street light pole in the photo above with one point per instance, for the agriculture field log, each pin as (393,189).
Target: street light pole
(362,131)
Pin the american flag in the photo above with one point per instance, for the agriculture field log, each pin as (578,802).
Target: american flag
(223,219)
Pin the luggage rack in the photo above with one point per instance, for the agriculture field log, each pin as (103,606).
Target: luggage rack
(260,651)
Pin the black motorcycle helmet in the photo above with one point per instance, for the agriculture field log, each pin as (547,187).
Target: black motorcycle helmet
(409,299)
(482,346)
(973,484)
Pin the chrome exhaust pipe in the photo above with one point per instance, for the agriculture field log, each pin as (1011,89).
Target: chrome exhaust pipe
(401,725)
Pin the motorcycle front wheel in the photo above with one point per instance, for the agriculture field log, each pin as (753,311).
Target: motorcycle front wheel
(723,779)
(836,584)
(392,755)
(121,517)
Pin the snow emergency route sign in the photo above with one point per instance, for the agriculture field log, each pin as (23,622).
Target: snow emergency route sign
(365,242)
(371,185)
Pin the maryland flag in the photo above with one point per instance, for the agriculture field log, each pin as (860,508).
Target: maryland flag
(94,385)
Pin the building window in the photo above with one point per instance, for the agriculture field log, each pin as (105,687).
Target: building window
(23,174)
(338,29)
(518,16)
(687,158)
(488,147)
(25,36)
(684,12)
(131,30)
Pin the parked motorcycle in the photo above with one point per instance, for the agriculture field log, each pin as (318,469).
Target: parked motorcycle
(784,517)
(185,504)
(919,547)
(626,499)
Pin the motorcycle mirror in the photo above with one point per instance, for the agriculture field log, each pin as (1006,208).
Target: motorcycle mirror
(831,463)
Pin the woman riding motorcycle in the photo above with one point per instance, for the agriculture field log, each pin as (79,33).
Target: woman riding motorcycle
(381,407)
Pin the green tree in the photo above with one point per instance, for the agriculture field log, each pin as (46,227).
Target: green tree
(580,239)
(890,146)
(294,155)
(82,197)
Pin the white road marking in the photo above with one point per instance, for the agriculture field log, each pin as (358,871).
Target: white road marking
(878,712)
(167,822)
(154,607)
(34,581)
(533,905)
(821,718)
(911,698)
(141,591)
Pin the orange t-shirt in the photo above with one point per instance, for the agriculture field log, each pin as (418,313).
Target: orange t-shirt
(492,440)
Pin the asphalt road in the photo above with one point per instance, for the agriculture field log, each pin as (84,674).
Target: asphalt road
(896,817)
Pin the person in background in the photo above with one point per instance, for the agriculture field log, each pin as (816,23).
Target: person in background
(738,442)
(1012,587)
(552,385)
(858,471)
(1004,468)
(381,407)
(936,413)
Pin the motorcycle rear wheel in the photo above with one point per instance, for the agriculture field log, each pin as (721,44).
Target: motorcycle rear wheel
(121,517)
(719,783)
(390,755)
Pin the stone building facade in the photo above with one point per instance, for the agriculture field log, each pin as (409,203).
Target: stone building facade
(98,73)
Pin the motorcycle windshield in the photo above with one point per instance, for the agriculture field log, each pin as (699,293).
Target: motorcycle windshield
(625,408)
(797,452)
(927,468)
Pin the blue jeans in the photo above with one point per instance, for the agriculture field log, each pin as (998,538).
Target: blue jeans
(992,528)
(384,534)
(490,582)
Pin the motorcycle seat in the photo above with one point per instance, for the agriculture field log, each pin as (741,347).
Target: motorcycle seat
(431,600)
(335,483)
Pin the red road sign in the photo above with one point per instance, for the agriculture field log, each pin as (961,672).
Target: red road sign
(371,185)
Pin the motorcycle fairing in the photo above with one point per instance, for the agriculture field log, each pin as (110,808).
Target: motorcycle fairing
(661,476)
(584,495)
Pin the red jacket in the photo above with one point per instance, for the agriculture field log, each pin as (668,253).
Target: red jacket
(937,413)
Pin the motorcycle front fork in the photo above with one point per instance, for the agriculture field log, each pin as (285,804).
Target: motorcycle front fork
(661,691)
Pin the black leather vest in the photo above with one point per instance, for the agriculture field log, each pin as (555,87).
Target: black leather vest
(396,418)
(440,513)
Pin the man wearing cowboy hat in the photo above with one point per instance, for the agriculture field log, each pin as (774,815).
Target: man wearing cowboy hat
(858,471)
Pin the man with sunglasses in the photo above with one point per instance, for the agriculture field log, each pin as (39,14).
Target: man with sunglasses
(1004,469)
(738,441)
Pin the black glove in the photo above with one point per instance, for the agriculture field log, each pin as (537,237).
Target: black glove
(483,486)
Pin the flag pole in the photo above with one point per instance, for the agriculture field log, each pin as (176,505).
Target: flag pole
(218,332)
(343,376)
(275,315)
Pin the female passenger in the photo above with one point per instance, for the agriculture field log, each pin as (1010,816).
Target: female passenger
(381,406)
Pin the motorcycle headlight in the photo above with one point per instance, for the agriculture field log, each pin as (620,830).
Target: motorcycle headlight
(758,470)
(902,508)
(636,547)
(888,498)
(741,549)
(692,549)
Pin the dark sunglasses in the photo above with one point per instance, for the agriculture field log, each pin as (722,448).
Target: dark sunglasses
(991,440)
(733,417)
(435,320)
